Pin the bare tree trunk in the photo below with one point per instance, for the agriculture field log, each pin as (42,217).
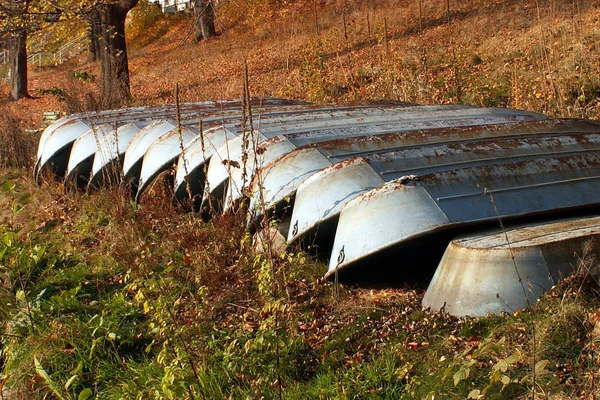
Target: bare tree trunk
(94,44)
(18,66)
(114,66)
(204,19)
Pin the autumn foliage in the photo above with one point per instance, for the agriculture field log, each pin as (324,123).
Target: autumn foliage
(101,296)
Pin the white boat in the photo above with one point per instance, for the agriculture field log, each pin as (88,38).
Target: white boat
(108,157)
(56,140)
(398,225)
(505,270)
(320,198)
(286,166)
(274,142)
(162,154)
(190,171)
(141,142)
(83,151)
(137,147)
(190,177)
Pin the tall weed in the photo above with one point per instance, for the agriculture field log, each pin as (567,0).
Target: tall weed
(17,146)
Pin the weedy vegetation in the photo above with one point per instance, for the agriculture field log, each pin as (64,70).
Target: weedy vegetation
(104,298)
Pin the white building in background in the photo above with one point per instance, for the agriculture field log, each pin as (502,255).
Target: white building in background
(172,6)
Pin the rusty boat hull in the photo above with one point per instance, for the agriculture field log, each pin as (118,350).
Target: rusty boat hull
(505,270)
(230,183)
(412,216)
(320,198)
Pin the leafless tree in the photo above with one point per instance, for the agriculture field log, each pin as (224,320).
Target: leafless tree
(108,17)
(204,19)
(15,23)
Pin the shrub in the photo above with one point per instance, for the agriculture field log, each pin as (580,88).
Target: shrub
(147,23)
(17,147)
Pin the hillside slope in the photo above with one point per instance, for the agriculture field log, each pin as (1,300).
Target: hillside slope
(535,55)
(540,56)
(103,297)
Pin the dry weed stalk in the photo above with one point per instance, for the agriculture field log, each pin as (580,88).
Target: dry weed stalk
(247,132)
(206,191)
(266,228)
(182,144)
(522,284)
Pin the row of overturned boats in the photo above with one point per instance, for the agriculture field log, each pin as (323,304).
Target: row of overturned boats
(489,207)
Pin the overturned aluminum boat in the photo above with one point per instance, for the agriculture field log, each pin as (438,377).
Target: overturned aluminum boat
(55,144)
(320,198)
(56,140)
(190,171)
(139,144)
(83,151)
(109,154)
(190,178)
(506,270)
(162,154)
(274,143)
(225,119)
(189,123)
(281,178)
(407,220)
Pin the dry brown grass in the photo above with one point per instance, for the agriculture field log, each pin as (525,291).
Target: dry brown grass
(17,144)
(508,53)
(537,55)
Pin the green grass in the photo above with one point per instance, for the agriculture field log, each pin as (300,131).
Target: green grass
(101,296)
(120,301)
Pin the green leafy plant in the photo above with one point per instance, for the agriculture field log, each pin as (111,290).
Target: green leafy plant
(313,71)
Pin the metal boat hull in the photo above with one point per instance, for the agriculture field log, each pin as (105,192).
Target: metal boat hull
(83,151)
(55,148)
(321,197)
(137,147)
(408,213)
(111,149)
(56,140)
(162,154)
(237,152)
(190,178)
(506,270)
(369,122)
